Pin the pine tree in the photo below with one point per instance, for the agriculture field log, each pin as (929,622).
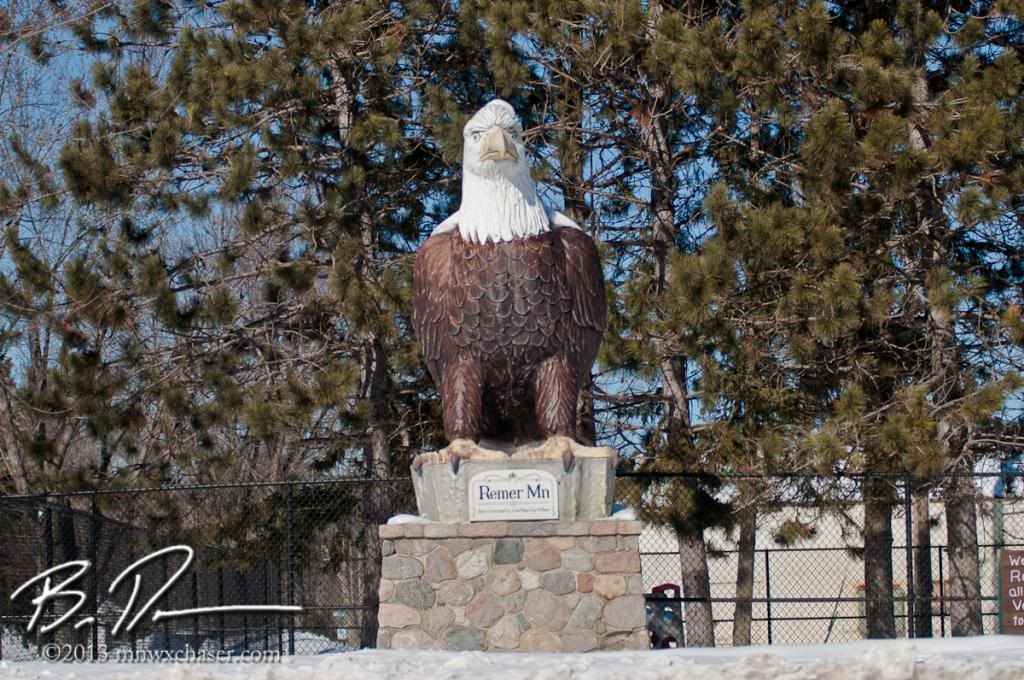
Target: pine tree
(657,136)
(267,147)
(855,285)
(274,152)
(50,419)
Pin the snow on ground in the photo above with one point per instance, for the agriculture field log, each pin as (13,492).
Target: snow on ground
(983,658)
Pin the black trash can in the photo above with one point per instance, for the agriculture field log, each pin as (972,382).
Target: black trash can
(665,617)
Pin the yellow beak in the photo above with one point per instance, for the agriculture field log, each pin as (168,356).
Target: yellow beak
(497,145)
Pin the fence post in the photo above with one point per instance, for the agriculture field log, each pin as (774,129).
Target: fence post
(242,584)
(3,582)
(266,600)
(131,560)
(291,572)
(768,592)
(278,594)
(48,531)
(167,623)
(220,602)
(277,598)
(908,509)
(195,605)
(94,539)
(942,598)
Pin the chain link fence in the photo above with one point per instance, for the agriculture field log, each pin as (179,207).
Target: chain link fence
(805,552)
(314,545)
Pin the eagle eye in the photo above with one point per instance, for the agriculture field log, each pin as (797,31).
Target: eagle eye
(476,136)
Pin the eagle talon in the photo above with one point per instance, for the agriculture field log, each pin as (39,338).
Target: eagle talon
(562,447)
(457,450)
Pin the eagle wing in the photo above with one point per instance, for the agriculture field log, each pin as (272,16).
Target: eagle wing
(585,281)
(558,219)
(449,223)
(434,297)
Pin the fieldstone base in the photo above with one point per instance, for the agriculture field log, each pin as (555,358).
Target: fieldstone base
(512,586)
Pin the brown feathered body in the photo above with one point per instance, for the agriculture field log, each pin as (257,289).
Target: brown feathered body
(509,330)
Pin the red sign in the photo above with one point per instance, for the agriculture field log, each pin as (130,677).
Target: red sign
(1011,592)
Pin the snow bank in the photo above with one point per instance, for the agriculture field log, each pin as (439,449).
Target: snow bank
(407,519)
(985,658)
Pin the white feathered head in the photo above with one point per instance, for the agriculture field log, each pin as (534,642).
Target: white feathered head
(493,142)
(499,199)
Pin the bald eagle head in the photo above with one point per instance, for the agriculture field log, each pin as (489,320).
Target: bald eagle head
(493,145)
(499,198)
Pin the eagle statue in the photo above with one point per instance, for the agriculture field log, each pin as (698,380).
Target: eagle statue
(508,302)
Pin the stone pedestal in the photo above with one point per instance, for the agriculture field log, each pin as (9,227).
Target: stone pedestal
(512,586)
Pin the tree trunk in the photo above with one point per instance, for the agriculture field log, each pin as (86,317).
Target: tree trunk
(743,615)
(878,559)
(586,426)
(693,562)
(373,377)
(66,549)
(960,496)
(658,150)
(377,457)
(923,583)
(571,158)
(946,389)
(964,569)
(373,389)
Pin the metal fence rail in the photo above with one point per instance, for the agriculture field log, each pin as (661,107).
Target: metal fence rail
(314,545)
